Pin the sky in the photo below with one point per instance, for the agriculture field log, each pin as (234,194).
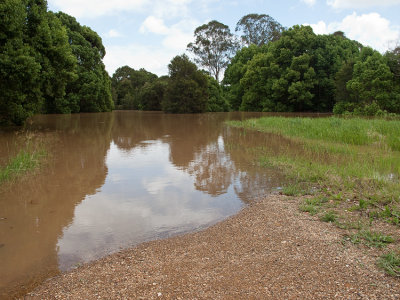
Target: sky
(149,33)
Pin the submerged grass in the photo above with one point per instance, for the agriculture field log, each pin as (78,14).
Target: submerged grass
(353,162)
(354,131)
(27,159)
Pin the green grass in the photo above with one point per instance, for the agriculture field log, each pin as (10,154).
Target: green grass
(329,217)
(390,262)
(292,190)
(27,159)
(353,165)
(371,239)
(313,205)
(357,158)
(354,131)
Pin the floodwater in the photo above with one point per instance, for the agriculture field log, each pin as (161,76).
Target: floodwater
(114,180)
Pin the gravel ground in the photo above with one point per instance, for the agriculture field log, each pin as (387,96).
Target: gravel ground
(268,251)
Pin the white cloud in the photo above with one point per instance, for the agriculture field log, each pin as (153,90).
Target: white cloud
(97,8)
(154,25)
(174,39)
(171,8)
(112,33)
(178,41)
(361,3)
(177,36)
(369,29)
(153,59)
(320,28)
(309,2)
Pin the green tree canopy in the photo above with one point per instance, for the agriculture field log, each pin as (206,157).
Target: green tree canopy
(91,91)
(373,81)
(216,97)
(295,73)
(49,63)
(235,72)
(393,60)
(259,29)
(20,94)
(282,79)
(36,61)
(187,90)
(213,47)
(127,85)
(152,93)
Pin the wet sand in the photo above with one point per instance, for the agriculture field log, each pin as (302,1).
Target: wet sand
(269,250)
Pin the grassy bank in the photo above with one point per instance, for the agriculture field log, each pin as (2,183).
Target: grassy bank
(31,155)
(350,170)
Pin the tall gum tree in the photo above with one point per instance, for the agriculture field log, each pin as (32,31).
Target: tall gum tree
(259,29)
(213,47)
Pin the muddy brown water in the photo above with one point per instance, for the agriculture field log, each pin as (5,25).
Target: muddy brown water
(117,179)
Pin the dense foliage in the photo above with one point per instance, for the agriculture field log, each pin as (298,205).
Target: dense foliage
(295,73)
(91,92)
(48,63)
(187,90)
(235,72)
(142,90)
(216,98)
(303,71)
(131,89)
(372,88)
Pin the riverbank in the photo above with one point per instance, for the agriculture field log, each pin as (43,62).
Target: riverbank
(269,250)
(351,166)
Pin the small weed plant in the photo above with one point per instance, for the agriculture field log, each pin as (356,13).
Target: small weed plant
(390,262)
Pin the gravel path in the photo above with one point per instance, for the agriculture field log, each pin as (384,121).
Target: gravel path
(267,251)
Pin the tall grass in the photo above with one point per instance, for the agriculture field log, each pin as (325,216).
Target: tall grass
(27,159)
(350,149)
(355,131)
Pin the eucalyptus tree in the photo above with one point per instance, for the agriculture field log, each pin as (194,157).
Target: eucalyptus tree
(259,29)
(213,47)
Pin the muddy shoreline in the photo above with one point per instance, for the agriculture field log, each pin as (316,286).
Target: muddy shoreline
(269,250)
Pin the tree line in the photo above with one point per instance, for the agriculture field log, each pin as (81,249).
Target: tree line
(186,89)
(49,63)
(270,68)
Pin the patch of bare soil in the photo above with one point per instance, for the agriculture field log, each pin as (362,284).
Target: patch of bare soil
(268,251)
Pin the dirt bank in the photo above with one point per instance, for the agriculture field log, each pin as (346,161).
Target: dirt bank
(268,251)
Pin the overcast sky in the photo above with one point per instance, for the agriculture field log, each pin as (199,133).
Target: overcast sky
(149,33)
